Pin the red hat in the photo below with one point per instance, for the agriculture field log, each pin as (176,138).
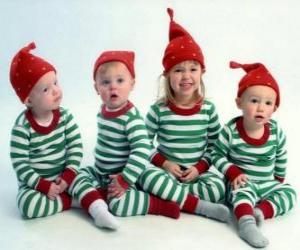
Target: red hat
(126,57)
(181,47)
(26,69)
(257,74)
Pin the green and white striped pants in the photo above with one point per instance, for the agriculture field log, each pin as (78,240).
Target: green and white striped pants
(133,202)
(34,204)
(281,195)
(208,186)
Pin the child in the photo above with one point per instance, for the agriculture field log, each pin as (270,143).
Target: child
(46,147)
(251,153)
(123,147)
(186,126)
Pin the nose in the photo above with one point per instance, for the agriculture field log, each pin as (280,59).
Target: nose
(56,90)
(260,106)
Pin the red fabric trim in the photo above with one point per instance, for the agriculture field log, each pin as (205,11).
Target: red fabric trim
(103,193)
(68,175)
(163,207)
(202,166)
(248,139)
(66,200)
(43,186)
(158,160)
(113,114)
(232,172)
(190,204)
(266,207)
(89,198)
(185,112)
(41,129)
(243,209)
(278,178)
(123,183)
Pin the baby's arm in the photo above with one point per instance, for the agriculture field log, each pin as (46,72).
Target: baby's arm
(281,157)
(19,153)
(74,152)
(220,160)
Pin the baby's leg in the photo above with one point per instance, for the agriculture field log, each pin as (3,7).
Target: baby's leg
(34,204)
(92,200)
(136,202)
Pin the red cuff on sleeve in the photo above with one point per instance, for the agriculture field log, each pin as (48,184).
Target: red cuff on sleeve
(43,186)
(124,184)
(202,166)
(280,179)
(158,160)
(232,172)
(68,175)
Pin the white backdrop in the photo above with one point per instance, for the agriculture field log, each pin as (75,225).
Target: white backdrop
(71,34)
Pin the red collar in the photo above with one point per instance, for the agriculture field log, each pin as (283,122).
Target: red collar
(113,114)
(248,139)
(185,112)
(41,129)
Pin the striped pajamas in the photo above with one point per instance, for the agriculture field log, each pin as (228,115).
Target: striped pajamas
(39,157)
(187,140)
(263,161)
(122,148)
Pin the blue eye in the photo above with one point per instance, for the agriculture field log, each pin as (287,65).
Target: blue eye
(105,82)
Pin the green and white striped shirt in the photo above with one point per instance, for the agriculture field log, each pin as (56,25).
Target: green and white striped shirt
(260,159)
(45,155)
(122,144)
(183,136)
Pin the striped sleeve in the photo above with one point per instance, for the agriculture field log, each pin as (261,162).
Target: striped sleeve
(213,131)
(19,153)
(281,155)
(73,143)
(139,149)
(221,150)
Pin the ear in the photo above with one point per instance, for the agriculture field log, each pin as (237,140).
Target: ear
(275,108)
(27,102)
(238,102)
(95,87)
(132,84)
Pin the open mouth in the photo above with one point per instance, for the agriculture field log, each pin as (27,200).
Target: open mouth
(259,117)
(113,96)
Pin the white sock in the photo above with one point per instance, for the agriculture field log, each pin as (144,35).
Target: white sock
(213,210)
(259,217)
(102,217)
(75,203)
(250,233)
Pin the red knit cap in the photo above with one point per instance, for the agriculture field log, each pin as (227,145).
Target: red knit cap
(257,74)
(126,57)
(26,69)
(181,47)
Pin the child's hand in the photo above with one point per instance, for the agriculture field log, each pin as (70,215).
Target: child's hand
(189,174)
(61,183)
(54,191)
(114,188)
(173,168)
(239,181)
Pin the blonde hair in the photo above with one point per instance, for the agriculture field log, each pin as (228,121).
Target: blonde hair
(166,94)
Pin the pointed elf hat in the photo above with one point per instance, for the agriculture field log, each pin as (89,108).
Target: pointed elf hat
(126,57)
(26,69)
(181,46)
(256,74)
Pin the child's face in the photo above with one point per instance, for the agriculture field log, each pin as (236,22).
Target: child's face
(114,83)
(257,104)
(185,79)
(46,95)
